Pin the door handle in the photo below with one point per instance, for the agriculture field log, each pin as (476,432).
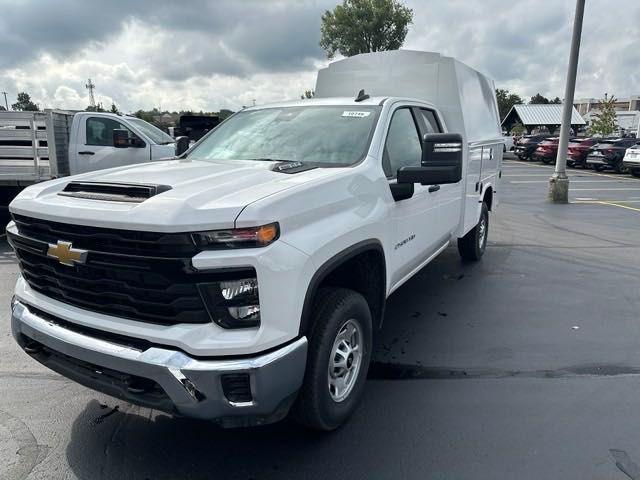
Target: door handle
(434,188)
(86,152)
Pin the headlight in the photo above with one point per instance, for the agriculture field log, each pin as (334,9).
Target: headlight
(238,237)
(233,303)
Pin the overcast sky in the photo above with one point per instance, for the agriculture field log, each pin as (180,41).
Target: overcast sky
(224,54)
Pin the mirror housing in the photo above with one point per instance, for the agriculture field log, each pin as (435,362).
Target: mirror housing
(441,161)
(182,145)
(121,138)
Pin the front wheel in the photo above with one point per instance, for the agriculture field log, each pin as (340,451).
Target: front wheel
(472,246)
(338,359)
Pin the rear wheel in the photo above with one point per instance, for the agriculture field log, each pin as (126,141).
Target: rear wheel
(635,173)
(338,359)
(598,168)
(472,246)
(619,167)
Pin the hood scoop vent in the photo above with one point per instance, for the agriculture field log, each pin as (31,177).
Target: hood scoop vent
(113,192)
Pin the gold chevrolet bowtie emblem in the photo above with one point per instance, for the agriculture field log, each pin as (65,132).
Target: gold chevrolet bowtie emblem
(65,254)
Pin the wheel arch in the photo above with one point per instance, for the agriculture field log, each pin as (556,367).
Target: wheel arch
(362,268)
(487,196)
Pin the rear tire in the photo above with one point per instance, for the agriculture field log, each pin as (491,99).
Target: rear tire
(619,167)
(472,246)
(338,358)
(598,168)
(635,173)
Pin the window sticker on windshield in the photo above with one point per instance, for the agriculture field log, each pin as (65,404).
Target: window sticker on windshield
(355,114)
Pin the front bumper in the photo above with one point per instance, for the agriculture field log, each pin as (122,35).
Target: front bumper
(631,164)
(162,378)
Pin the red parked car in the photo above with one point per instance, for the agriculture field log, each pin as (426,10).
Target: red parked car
(547,150)
(578,150)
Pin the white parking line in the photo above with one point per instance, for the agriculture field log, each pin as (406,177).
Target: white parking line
(584,172)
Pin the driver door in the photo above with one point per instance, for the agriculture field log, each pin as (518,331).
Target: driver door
(95,150)
(415,221)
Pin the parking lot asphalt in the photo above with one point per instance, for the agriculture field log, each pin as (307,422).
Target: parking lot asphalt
(525,365)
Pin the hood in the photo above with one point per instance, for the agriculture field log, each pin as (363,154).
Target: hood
(202,195)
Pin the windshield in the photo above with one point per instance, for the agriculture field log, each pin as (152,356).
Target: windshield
(154,133)
(320,135)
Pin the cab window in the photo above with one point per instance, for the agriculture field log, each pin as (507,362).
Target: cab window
(402,147)
(430,122)
(100,131)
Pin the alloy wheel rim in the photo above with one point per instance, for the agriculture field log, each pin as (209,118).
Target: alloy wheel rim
(345,360)
(482,234)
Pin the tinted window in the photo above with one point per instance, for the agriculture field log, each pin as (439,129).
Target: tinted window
(403,146)
(430,121)
(100,131)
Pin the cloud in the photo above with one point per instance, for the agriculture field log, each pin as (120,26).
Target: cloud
(224,54)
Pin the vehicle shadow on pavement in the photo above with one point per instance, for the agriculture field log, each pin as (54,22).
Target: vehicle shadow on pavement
(132,443)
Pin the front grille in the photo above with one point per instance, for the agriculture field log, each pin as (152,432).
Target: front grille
(127,242)
(158,287)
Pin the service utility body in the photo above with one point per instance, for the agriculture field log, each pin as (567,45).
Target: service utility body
(246,278)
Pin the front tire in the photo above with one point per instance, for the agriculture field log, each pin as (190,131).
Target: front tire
(472,246)
(338,358)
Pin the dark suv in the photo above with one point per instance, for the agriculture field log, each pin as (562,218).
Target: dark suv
(527,145)
(578,150)
(609,153)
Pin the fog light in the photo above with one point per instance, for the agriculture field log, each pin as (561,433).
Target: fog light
(233,303)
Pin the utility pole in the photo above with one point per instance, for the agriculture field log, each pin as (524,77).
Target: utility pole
(90,86)
(5,100)
(559,182)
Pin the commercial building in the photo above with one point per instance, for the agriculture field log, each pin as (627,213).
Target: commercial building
(585,105)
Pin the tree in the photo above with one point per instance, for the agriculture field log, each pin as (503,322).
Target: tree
(506,100)
(363,26)
(605,121)
(307,94)
(539,99)
(2,109)
(518,129)
(24,103)
(556,101)
(97,108)
(224,113)
(114,109)
(146,116)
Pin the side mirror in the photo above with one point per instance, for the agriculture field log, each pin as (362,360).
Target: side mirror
(121,138)
(182,145)
(441,161)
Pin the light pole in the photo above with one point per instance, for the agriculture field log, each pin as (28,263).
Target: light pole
(5,100)
(559,182)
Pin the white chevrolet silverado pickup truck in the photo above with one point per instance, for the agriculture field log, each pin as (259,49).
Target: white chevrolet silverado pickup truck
(247,277)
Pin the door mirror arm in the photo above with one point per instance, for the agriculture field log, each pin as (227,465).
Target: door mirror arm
(401,191)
